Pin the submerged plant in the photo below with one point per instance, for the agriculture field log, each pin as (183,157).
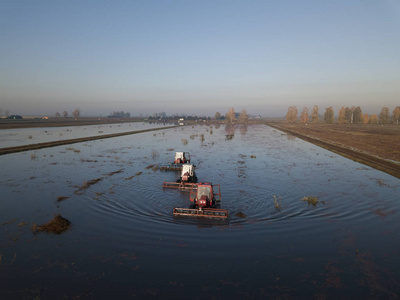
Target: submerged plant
(277,202)
(33,156)
(311,200)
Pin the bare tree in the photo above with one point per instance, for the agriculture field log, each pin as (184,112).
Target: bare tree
(304,116)
(65,114)
(384,116)
(291,115)
(315,115)
(396,115)
(217,116)
(342,115)
(365,118)
(328,116)
(357,115)
(243,117)
(76,113)
(58,114)
(373,119)
(230,116)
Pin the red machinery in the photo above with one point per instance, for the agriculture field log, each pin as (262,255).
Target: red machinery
(204,199)
(187,180)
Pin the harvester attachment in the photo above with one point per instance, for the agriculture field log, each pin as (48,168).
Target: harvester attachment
(171,167)
(214,213)
(183,186)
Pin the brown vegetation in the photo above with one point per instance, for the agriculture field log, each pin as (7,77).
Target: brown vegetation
(57,225)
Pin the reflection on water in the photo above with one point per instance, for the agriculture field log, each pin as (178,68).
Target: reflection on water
(243,129)
(124,241)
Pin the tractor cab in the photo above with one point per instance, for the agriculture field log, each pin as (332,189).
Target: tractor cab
(206,195)
(187,174)
(182,157)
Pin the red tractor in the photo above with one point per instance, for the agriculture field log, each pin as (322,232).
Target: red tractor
(204,198)
(206,195)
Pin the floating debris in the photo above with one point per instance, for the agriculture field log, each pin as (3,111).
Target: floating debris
(61,198)
(115,172)
(240,215)
(58,225)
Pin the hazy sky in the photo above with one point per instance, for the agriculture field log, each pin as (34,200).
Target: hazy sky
(198,57)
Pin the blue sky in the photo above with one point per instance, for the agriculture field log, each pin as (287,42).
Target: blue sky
(198,57)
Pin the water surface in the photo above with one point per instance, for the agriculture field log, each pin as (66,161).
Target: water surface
(124,241)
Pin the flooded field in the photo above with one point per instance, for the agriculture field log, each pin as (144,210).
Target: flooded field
(123,241)
(26,136)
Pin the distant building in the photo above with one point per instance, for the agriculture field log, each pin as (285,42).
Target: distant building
(14,117)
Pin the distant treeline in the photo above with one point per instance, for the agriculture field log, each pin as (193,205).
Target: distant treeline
(346,115)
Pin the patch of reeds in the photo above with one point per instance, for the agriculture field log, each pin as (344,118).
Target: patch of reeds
(202,137)
(57,225)
(33,156)
(77,150)
(277,202)
(311,200)
(185,142)
(193,136)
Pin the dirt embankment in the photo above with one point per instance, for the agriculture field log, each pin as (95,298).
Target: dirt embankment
(373,145)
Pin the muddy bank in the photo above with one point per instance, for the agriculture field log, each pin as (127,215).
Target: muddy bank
(338,144)
(9,150)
